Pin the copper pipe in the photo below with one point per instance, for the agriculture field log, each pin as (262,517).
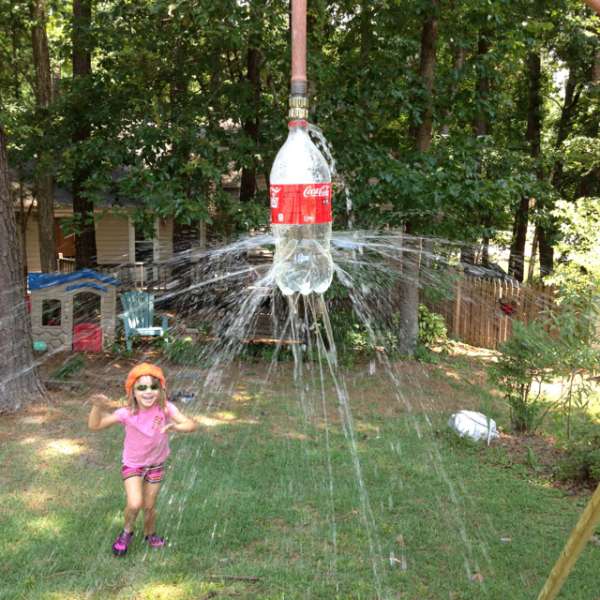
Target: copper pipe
(299,79)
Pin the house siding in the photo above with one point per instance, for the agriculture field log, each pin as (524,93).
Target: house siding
(165,239)
(112,239)
(32,244)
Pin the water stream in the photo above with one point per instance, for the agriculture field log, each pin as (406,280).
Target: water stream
(229,293)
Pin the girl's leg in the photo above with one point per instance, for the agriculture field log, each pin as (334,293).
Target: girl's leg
(135,495)
(150,494)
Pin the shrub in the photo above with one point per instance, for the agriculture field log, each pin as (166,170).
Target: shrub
(70,366)
(432,328)
(526,358)
(562,345)
(182,351)
(582,461)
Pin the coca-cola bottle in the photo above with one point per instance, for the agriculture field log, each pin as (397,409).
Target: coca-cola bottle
(300,194)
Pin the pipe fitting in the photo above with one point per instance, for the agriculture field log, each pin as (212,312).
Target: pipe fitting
(298,107)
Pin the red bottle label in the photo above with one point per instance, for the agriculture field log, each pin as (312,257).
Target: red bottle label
(300,204)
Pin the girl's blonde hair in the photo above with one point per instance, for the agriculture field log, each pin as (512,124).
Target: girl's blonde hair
(162,396)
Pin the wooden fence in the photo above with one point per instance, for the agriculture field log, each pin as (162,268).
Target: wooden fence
(482,311)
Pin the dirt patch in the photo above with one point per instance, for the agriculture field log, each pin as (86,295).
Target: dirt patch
(534,450)
(539,456)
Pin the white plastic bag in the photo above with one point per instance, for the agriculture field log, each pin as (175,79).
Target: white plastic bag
(473,425)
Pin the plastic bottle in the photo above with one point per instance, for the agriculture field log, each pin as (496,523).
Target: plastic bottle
(300,194)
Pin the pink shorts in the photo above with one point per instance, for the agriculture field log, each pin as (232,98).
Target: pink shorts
(151,474)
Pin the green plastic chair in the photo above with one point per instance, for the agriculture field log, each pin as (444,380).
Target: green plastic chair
(138,317)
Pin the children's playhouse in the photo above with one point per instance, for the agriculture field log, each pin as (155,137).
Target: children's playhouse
(73,310)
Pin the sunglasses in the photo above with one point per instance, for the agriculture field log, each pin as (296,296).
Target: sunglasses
(143,388)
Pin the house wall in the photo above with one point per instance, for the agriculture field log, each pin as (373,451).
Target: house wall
(65,244)
(112,239)
(165,238)
(32,244)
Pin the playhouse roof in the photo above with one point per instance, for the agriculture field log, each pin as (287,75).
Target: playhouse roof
(39,281)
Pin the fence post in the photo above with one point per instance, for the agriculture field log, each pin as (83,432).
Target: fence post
(457,301)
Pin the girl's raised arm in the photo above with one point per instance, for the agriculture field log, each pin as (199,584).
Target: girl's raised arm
(182,423)
(99,417)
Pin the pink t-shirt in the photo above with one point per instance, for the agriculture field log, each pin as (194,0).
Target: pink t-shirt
(144,444)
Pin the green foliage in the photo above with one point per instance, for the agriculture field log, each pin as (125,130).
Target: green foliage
(352,340)
(171,107)
(577,273)
(562,345)
(432,328)
(183,351)
(257,352)
(72,365)
(582,461)
(526,358)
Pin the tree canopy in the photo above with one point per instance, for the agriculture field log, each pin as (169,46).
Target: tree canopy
(181,92)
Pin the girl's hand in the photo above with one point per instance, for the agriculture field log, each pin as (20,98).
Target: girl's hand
(99,400)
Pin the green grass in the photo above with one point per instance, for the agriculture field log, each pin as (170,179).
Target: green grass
(271,489)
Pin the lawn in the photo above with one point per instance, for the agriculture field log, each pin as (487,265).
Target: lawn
(286,492)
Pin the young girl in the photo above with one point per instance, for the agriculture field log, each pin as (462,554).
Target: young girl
(147,419)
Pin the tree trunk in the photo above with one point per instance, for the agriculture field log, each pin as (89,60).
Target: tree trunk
(83,209)
(44,182)
(19,380)
(251,124)
(467,254)
(408,287)
(366,33)
(14,19)
(546,251)
(534,248)
(483,86)
(546,232)
(516,263)
(481,127)
(408,295)
(458,62)
(427,74)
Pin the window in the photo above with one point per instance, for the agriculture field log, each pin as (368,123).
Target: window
(51,313)
(86,307)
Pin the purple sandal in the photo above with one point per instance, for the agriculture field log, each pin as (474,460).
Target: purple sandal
(119,548)
(155,541)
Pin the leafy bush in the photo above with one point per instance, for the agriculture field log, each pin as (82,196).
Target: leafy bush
(432,328)
(582,462)
(561,345)
(351,338)
(526,358)
(70,366)
(183,351)
(256,351)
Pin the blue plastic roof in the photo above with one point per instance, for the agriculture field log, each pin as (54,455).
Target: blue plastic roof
(38,281)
